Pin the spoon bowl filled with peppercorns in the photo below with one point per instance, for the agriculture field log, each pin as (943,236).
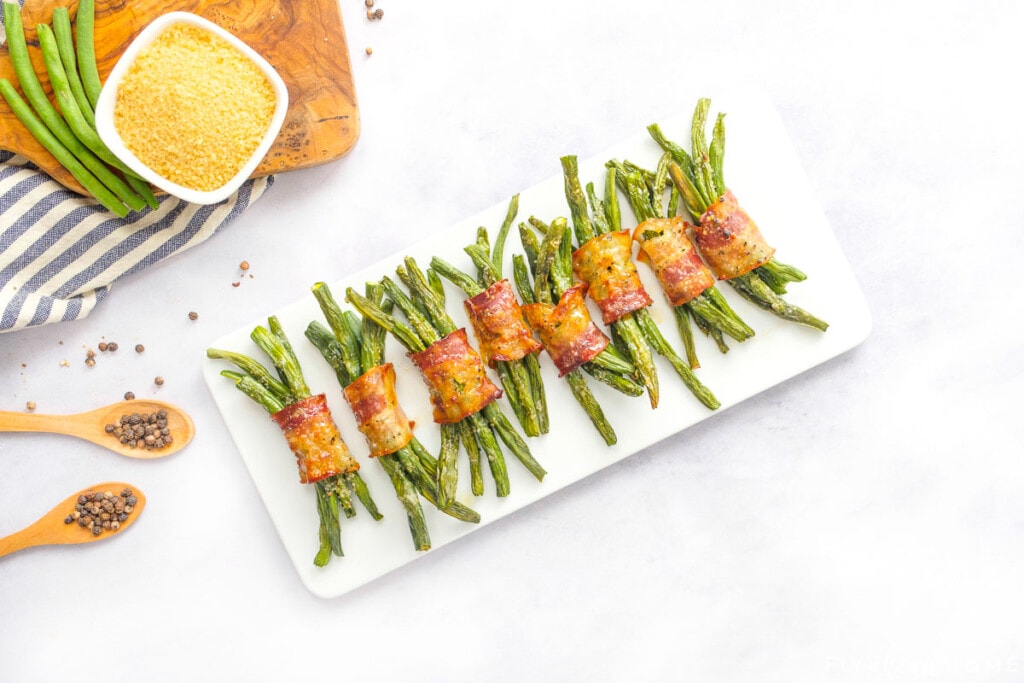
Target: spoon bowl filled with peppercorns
(93,514)
(143,429)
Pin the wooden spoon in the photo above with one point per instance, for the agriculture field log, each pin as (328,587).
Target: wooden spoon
(91,426)
(52,530)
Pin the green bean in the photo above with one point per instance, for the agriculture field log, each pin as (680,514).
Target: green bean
(403,333)
(355,480)
(497,253)
(271,402)
(412,460)
(77,121)
(777,275)
(682,316)
(287,365)
(460,279)
(489,445)
(577,201)
(72,114)
(508,435)
(581,392)
(409,497)
(624,384)
(86,48)
(447,466)
(66,47)
(61,153)
(330,528)
(752,288)
(255,370)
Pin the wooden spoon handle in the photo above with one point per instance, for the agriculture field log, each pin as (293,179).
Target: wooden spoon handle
(26,538)
(28,422)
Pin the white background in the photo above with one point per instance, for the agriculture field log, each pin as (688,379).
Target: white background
(863,521)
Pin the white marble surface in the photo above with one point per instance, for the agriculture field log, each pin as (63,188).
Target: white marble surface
(863,521)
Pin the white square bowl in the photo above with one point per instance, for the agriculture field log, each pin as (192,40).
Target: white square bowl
(108,98)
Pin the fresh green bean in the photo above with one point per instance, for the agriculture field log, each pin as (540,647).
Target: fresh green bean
(69,108)
(66,47)
(62,154)
(85,22)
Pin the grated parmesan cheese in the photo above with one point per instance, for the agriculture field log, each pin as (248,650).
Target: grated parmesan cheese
(193,108)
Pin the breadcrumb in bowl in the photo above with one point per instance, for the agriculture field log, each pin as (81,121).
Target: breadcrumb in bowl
(191,108)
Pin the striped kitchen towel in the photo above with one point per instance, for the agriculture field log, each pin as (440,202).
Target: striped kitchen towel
(61,252)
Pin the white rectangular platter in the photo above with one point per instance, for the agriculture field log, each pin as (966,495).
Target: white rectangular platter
(761,168)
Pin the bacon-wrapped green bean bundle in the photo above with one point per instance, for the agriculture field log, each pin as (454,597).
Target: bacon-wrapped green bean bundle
(323,458)
(727,237)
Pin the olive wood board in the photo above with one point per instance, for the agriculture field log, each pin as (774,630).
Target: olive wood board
(763,170)
(303,39)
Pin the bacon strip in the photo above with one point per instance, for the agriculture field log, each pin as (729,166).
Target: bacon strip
(379,416)
(456,378)
(730,241)
(498,323)
(315,440)
(604,263)
(665,246)
(569,335)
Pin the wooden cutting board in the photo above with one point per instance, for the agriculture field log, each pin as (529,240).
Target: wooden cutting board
(303,39)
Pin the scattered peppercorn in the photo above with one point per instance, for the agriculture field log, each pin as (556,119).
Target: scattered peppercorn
(192,315)
(158,380)
(139,348)
(129,395)
(102,511)
(369,3)
(102,346)
(378,14)
(244,265)
(369,50)
(111,346)
(369,14)
(140,430)
(30,406)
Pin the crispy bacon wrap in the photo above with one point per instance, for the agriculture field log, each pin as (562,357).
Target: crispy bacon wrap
(569,335)
(456,378)
(729,239)
(379,416)
(605,264)
(314,439)
(498,323)
(667,249)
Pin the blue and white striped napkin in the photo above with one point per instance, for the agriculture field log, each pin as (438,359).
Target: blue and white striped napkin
(61,252)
